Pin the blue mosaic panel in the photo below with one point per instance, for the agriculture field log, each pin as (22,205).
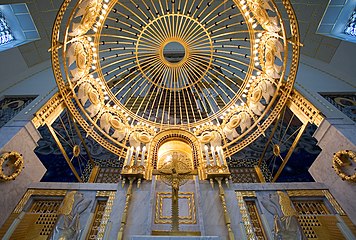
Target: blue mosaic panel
(52,158)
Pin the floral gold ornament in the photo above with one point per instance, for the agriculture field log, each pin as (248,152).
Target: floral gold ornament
(259,9)
(242,120)
(80,53)
(344,159)
(190,65)
(109,121)
(11,164)
(89,10)
(270,49)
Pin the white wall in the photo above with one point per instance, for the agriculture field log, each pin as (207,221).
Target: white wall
(338,76)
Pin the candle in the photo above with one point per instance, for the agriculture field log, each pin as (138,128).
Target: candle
(127,156)
(220,151)
(130,156)
(213,154)
(137,153)
(143,155)
(207,154)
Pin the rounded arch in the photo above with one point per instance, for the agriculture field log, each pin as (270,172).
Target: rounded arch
(174,134)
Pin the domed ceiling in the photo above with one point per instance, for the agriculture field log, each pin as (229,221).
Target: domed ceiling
(198,65)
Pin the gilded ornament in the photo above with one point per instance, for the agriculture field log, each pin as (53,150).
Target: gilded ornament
(136,138)
(89,10)
(108,121)
(343,159)
(242,120)
(254,102)
(211,137)
(13,160)
(259,9)
(271,49)
(113,45)
(79,52)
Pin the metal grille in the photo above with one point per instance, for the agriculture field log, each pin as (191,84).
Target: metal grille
(45,206)
(308,222)
(244,175)
(11,106)
(255,220)
(5,31)
(108,175)
(48,214)
(307,215)
(311,207)
(99,212)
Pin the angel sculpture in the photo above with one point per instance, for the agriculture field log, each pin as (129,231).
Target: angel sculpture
(69,214)
(286,225)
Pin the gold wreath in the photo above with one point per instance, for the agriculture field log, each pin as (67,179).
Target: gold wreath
(339,161)
(19,164)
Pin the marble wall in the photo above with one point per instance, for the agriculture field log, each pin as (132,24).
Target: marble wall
(334,135)
(210,217)
(21,137)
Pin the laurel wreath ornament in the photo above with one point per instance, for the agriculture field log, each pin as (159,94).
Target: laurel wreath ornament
(342,159)
(13,158)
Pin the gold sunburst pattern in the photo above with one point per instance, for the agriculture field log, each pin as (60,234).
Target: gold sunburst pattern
(184,64)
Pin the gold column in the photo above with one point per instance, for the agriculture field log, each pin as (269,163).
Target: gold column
(127,204)
(226,213)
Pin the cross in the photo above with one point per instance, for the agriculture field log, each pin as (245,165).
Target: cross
(176,179)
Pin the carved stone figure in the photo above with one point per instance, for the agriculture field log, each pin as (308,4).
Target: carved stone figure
(286,225)
(68,223)
(242,120)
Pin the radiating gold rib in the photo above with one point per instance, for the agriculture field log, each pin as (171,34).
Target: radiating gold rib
(213,11)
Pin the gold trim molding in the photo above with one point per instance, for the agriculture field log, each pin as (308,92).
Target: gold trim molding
(240,195)
(110,202)
(318,193)
(50,111)
(161,219)
(41,192)
(304,109)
